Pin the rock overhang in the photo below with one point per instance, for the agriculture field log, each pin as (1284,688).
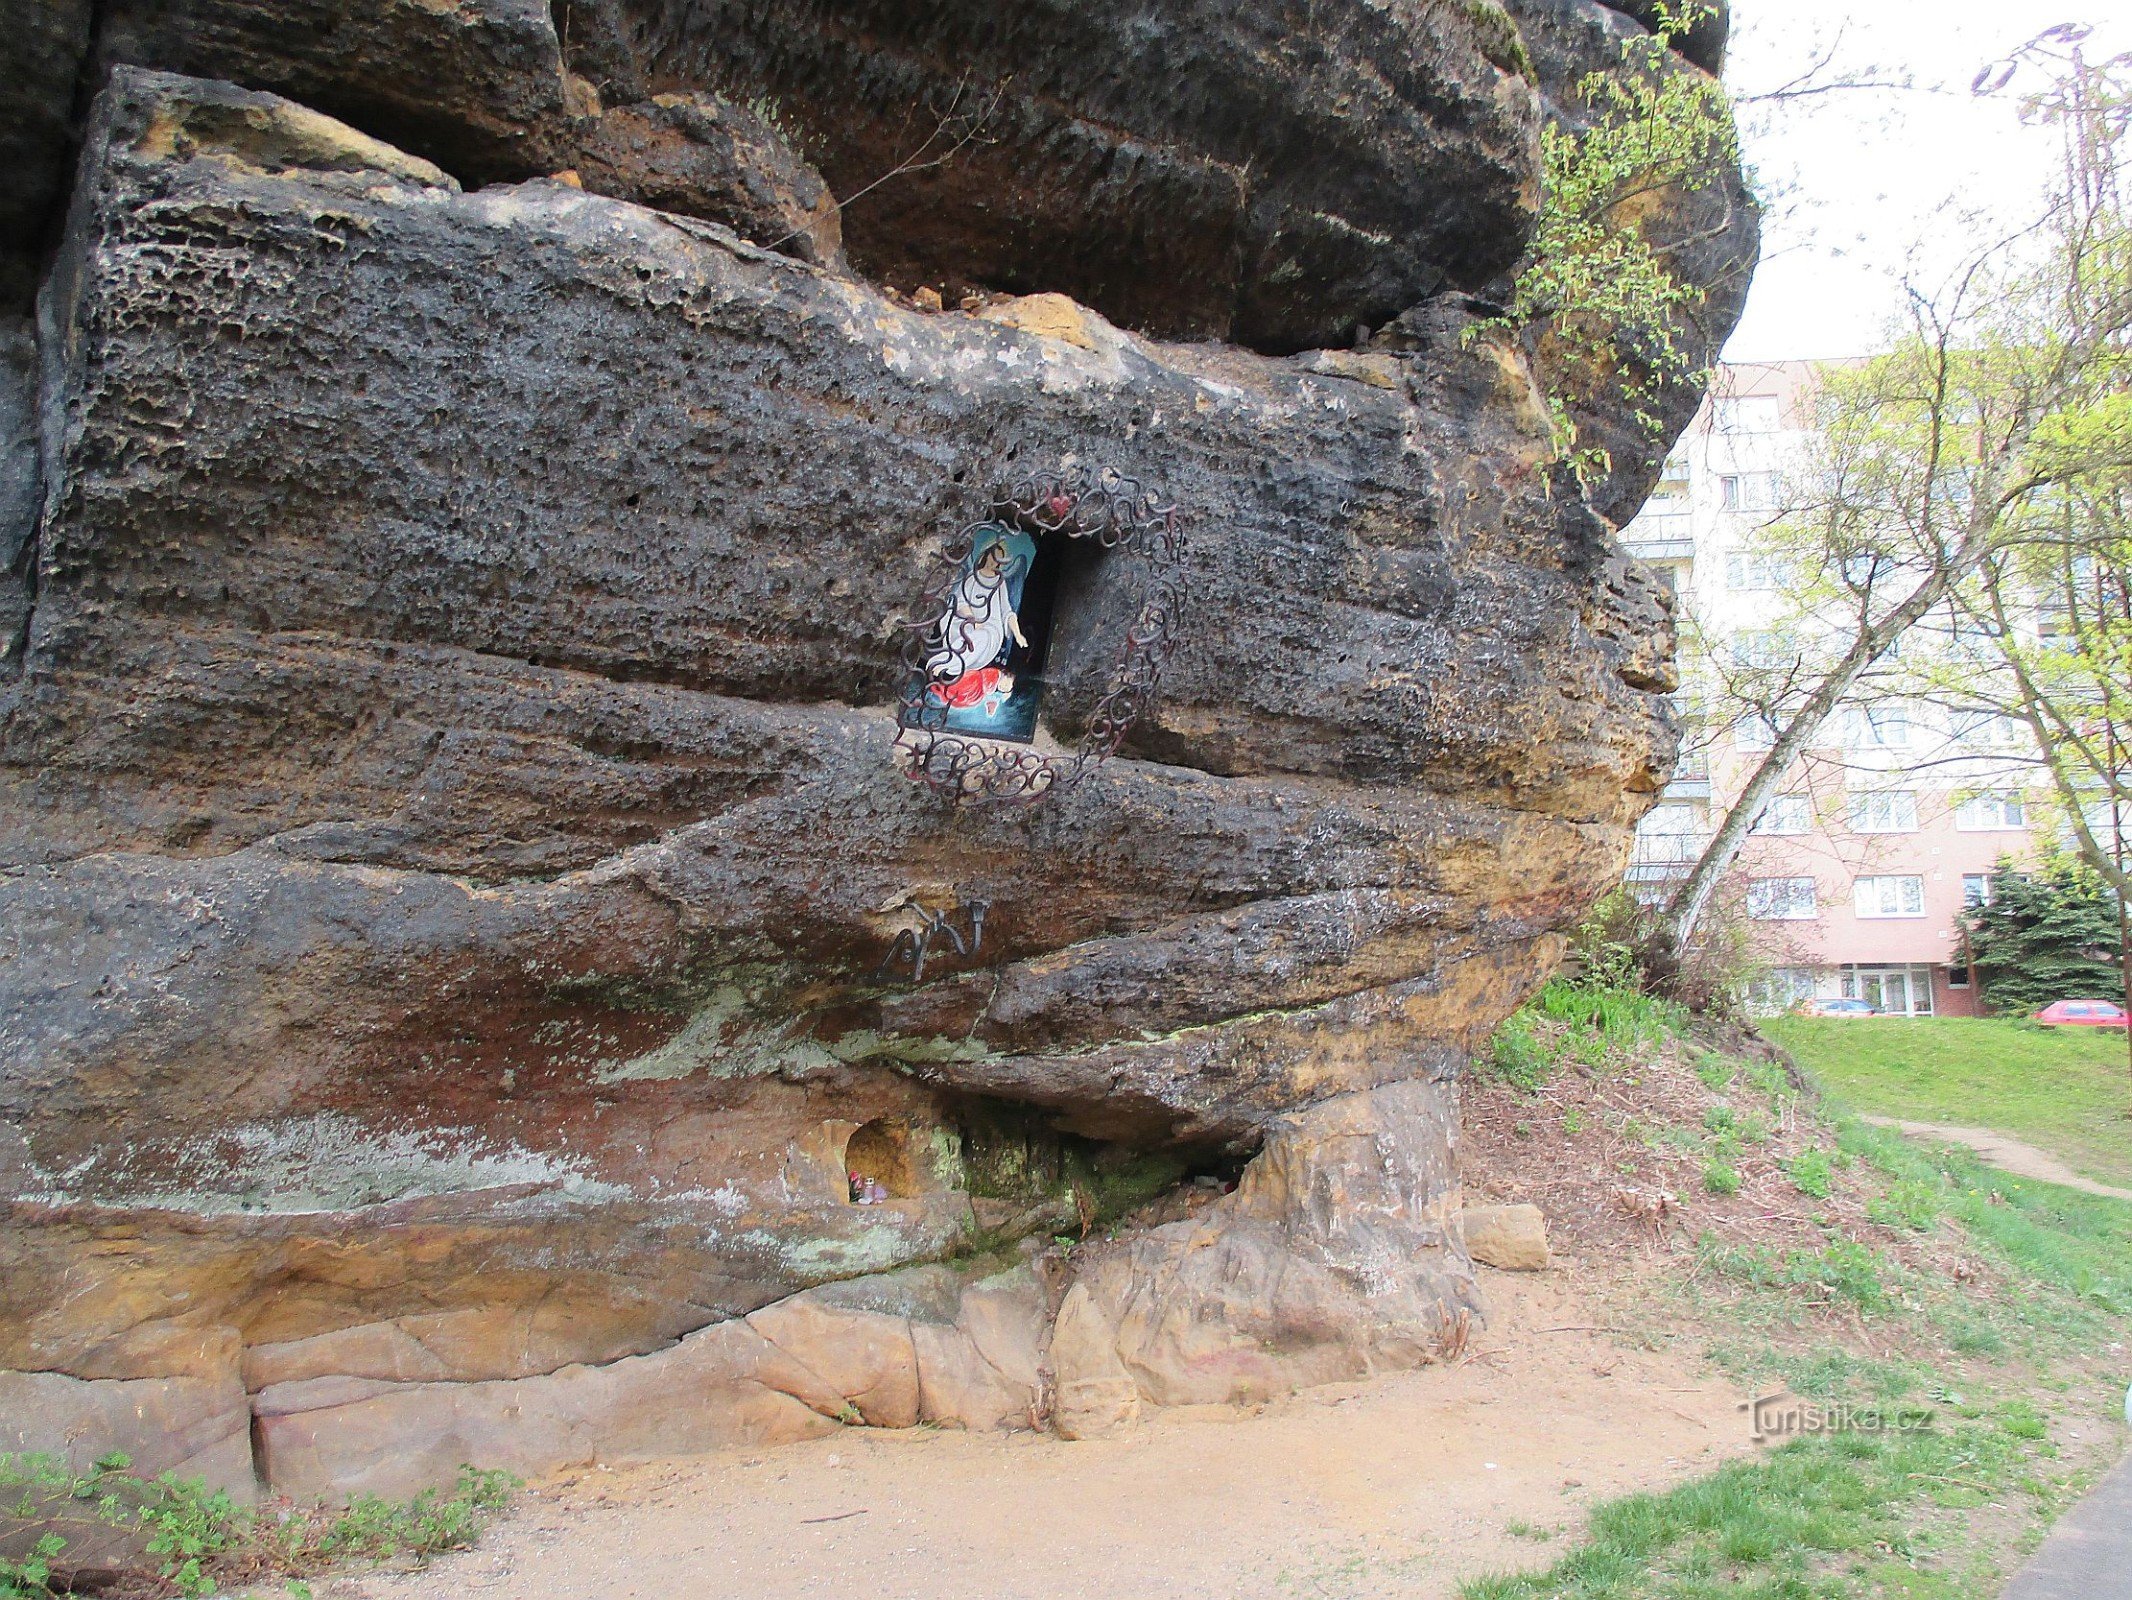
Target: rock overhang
(417,756)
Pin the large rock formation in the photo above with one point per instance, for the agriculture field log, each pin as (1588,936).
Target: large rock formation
(470,925)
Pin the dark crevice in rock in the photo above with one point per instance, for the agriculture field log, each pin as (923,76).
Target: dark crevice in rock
(1704,45)
(21,483)
(1109,145)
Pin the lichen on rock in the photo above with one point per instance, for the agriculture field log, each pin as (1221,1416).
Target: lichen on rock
(460,873)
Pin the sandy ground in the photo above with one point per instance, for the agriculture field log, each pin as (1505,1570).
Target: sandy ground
(2007,1153)
(1400,1486)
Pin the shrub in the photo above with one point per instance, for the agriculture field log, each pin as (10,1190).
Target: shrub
(1843,1270)
(1582,1020)
(1719,1178)
(2046,935)
(1812,1173)
(1518,1055)
(1906,1203)
(1716,1071)
(199,1540)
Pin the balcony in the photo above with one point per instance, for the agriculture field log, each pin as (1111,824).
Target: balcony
(1666,538)
(1661,850)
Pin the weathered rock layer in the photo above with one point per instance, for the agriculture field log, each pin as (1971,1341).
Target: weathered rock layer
(463,889)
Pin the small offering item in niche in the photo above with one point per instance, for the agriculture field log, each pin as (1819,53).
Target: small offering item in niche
(867,1191)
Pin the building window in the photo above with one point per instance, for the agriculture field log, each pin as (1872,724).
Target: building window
(1765,648)
(1786,814)
(1781,988)
(1864,568)
(2111,824)
(1677,816)
(1884,811)
(1748,491)
(1984,813)
(1672,835)
(1886,896)
(1958,977)
(1750,413)
(1671,490)
(1754,733)
(1976,889)
(1904,991)
(1747,569)
(1781,899)
(1877,728)
(1985,730)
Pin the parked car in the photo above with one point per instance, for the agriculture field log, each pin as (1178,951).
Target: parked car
(2082,1014)
(1836,1008)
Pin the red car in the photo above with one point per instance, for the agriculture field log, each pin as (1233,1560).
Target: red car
(2082,1014)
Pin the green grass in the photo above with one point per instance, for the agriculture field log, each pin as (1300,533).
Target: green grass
(2066,1091)
(1831,1514)
(1865,1515)
(1576,1022)
(2022,1344)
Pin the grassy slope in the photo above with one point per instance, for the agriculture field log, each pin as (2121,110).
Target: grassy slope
(2067,1090)
(2001,1305)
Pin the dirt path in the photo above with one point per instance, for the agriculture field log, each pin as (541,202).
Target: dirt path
(1398,1487)
(2006,1152)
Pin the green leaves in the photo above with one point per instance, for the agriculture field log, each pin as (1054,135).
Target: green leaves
(1603,295)
(2050,934)
(196,1535)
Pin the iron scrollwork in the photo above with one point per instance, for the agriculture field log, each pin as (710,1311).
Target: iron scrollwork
(933,929)
(1117,513)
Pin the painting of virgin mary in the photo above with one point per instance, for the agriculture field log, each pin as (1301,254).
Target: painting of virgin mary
(979,662)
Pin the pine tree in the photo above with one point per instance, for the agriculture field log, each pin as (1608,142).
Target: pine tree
(2050,934)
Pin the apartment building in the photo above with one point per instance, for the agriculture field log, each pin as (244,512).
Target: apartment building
(1856,877)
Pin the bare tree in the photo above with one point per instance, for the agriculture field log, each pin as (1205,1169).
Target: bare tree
(2001,401)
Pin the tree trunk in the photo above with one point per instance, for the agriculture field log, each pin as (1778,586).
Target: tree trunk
(1667,943)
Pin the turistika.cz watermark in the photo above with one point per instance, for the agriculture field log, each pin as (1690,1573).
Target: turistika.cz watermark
(1783,1416)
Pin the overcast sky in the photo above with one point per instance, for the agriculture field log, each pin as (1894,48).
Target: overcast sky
(1869,182)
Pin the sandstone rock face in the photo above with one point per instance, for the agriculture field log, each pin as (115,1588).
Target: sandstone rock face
(1247,169)
(474,84)
(477,87)
(699,156)
(1337,1255)
(195,1427)
(478,980)
(18,479)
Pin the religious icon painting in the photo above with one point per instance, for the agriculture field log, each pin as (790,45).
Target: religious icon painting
(985,654)
(977,646)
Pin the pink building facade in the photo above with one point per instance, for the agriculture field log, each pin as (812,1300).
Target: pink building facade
(1891,870)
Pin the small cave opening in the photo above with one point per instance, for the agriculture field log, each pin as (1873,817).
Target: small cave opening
(877,1163)
(1024,1172)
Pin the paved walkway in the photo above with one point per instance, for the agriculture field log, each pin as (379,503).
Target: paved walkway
(2089,1554)
(2007,1153)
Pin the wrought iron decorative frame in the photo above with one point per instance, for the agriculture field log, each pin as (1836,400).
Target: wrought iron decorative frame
(1116,512)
